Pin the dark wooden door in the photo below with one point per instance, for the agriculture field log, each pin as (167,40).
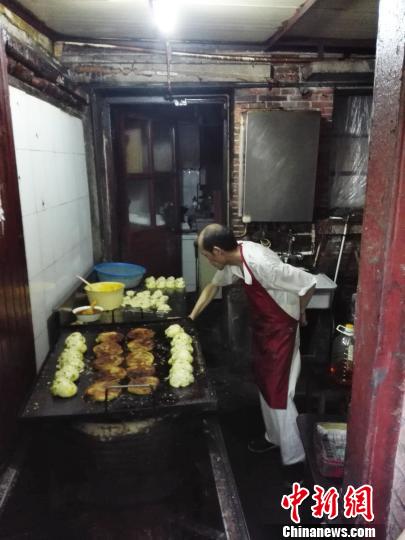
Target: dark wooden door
(148,206)
(17,360)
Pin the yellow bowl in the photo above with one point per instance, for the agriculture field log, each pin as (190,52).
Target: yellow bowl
(107,294)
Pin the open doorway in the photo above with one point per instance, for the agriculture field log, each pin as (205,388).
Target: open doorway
(171,179)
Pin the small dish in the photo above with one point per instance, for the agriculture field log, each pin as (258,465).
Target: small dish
(88,317)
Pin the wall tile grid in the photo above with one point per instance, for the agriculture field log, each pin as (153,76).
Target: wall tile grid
(281,98)
(54,195)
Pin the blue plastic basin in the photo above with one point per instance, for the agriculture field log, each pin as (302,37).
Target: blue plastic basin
(129,274)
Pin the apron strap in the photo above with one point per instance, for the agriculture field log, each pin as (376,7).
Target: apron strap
(244,263)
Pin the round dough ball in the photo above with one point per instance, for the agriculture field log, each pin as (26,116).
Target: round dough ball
(173,330)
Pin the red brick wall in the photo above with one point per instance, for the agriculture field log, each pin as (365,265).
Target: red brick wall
(301,98)
(294,98)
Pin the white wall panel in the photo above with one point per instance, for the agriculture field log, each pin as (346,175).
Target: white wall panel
(55,204)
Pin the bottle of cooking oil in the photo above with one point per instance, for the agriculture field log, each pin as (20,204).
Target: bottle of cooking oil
(341,368)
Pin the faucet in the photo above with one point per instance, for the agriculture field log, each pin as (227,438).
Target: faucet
(288,255)
(285,256)
(291,240)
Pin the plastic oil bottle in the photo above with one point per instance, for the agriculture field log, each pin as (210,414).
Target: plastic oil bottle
(341,368)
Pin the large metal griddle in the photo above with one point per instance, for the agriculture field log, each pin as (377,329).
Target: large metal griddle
(199,396)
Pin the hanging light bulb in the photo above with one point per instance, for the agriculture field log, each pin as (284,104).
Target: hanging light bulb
(165,15)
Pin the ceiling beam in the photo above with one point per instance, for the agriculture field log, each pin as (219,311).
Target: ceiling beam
(27,16)
(330,44)
(178,43)
(287,25)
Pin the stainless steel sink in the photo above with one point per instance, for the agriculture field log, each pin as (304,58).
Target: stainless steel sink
(324,292)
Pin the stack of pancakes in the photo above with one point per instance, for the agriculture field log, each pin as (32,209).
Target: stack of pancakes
(140,361)
(111,359)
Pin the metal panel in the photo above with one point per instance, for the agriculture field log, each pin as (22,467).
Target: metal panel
(224,20)
(281,151)
(347,19)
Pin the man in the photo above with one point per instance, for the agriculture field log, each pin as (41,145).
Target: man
(277,295)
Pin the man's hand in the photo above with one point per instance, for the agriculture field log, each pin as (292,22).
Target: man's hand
(303,319)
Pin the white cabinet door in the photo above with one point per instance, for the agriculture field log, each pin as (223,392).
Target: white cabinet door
(188,261)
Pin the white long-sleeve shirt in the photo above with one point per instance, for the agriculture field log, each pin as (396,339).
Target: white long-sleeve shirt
(283,282)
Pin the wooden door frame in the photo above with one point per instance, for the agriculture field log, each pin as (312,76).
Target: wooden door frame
(378,391)
(106,204)
(146,123)
(17,352)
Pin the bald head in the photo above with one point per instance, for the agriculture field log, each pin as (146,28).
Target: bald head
(219,246)
(215,235)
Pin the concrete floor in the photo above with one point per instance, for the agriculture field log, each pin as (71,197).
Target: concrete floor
(35,512)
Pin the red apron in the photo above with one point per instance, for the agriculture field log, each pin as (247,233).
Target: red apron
(273,343)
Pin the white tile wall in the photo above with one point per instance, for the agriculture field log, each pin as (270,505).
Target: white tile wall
(55,206)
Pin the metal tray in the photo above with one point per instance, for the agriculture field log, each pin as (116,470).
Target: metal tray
(198,396)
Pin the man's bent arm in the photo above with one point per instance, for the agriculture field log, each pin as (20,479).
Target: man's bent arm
(305,298)
(205,298)
(304,301)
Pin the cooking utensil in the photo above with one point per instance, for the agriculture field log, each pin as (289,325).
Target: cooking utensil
(84,281)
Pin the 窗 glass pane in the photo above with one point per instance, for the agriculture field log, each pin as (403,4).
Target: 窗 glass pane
(162,147)
(135,148)
(138,203)
(165,203)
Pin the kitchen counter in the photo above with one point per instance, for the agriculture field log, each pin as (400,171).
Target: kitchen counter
(63,312)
